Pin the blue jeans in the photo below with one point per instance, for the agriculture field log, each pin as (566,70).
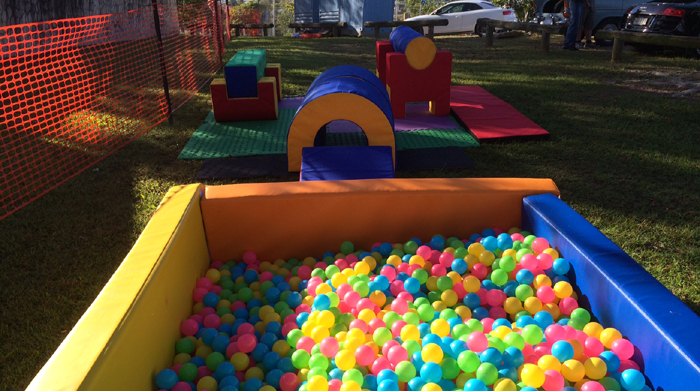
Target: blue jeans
(572,32)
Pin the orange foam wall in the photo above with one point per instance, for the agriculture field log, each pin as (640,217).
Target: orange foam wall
(300,219)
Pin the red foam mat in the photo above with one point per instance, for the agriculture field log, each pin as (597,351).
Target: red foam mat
(489,118)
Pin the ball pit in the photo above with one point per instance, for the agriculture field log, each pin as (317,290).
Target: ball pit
(495,311)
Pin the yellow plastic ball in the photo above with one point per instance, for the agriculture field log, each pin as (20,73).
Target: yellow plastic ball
(355,333)
(463,378)
(432,353)
(456,277)
(504,384)
(393,260)
(563,289)
(254,373)
(551,252)
(449,297)
(410,331)
(303,372)
(228,318)
(350,386)
(367,315)
(431,387)
(471,284)
(608,336)
(486,258)
(255,286)
(548,362)
(373,346)
(207,383)
(532,305)
(353,343)
(378,298)
(339,279)
(464,312)
(203,351)
(349,272)
(240,361)
(573,370)
(362,267)
(476,249)
(281,347)
(593,329)
(440,327)
(319,333)
(471,260)
(513,305)
(317,383)
(416,260)
(326,319)
(323,289)
(345,360)
(431,283)
(532,375)
(213,275)
(197,308)
(439,306)
(510,253)
(268,388)
(553,310)
(181,358)
(501,331)
(541,280)
(595,368)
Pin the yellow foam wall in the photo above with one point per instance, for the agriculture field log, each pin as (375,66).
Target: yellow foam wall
(128,334)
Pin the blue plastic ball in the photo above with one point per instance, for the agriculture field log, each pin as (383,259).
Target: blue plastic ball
(260,350)
(504,241)
(480,313)
(437,243)
(224,370)
(474,385)
(612,361)
(490,243)
(513,357)
(241,313)
(272,295)
(632,380)
(208,336)
(270,360)
(166,379)
(322,302)
(198,361)
(229,381)
(563,351)
(543,319)
(250,276)
(472,300)
(387,374)
(460,266)
(301,318)
(416,384)
(525,277)
(411,285)
(335,373)
(388,385)
(431,372)
(491,355)
(211,299)
(220,344)
(370,382)
(274,328)
(385,249)
(524,321)
(285,365)
(253,384)
(273,378)
(561,266)
(501,322)
(268,339)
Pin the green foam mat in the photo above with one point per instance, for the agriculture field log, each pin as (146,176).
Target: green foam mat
(249,138)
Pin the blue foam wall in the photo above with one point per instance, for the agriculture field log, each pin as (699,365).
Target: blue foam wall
(622,295)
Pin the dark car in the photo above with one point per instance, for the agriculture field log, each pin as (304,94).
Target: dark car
(674,17)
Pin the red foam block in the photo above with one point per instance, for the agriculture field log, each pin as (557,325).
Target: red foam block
(275,70)
(383,48)
(245,109)
(490,118)
(408,85)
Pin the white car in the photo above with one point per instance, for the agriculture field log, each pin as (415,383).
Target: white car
(463,14)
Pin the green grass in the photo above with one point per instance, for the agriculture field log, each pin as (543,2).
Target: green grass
(623,152)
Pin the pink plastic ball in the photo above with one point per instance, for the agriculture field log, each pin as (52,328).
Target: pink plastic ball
(287,327)
(232,349)
(517,236)
(365,304)
(388,345)
(553,380)
(236,305)
(438,270)
(495,297)
(305,343)
(628,364)
(397,354)
(434,256)
(197,318)
(334,384)
(246,328)
(405,296)
(623,348)
(364,355)
(351,258)
(247,342)
(303,308)
(189,328)
(555,333)
(289,382)
(380,364)
(341,264)
(329,347)
(477,342)
(545,294)
(396,328)
(480,271)
(207,311)
(459,290)
(359,324)
(304,272)
(204,283)
(497,312)
(375,324)
(399,306)
(593,347)
(352,298)
(539,245)
(544,261)
(567,305)
(532,359)
(212,321)
(592,386)
(446,259)
(543,349)
(388,272)
(529,262)
(571,333)
(198,294)
(182,386)
(424,252)
(249,257)
(412,268)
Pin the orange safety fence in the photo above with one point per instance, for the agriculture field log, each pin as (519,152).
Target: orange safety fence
(73,91)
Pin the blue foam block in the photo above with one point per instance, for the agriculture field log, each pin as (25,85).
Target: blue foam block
(342,163)
(243,71)
(622,295)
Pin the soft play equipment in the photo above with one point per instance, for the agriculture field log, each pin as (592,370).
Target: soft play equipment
(347,93)
(250,90)
(414,71)
(127,334)
(489,118)
(345,163)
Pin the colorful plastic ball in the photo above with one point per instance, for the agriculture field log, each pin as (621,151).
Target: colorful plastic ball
(431,372)
(623,349)
(317,383)
(300,359)
(345,360)
(554,381)
(166,379)
(487,372)
(475,385)
(289,382)
(477,342)
(595,368)
(432,353)
(247,342)
(189,327)
(532,375)
(632,380)
(612,361)
(209,383)
(592,386)
(562,350)
(532,334)
(329,347)
(573,370)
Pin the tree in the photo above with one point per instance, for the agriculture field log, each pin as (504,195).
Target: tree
(524,9)
(422,7)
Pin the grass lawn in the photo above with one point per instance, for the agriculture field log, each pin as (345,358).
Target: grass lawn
(623,150)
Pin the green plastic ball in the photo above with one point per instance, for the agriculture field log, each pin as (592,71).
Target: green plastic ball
(300,359)
(405,371)
(184,345)
(532,334)
(468,361)
(450,368)
(444,283)
(347,248)
(499,277)
(188,372)
(487,373)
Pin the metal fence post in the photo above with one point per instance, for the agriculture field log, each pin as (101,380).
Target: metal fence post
(161,57)
(220,34)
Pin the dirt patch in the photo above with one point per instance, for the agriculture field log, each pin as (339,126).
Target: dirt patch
(674,82)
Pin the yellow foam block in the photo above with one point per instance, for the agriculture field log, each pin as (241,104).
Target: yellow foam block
(128,334)
(420,53)
(332,107)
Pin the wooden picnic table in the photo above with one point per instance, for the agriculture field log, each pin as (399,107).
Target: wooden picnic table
(336,26)
(620,37)
(431,23)
(489,25)
(251,26)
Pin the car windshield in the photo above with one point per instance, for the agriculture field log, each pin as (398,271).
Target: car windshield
(488,5)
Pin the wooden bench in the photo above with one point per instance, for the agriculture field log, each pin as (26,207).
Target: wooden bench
(620,37)
(336,26)
(251,26)
(414,24)
(489,25)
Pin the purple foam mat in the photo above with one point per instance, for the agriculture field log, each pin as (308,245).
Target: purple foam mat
(290,103)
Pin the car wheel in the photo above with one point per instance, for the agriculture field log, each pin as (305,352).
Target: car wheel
(610,25)
(477,31)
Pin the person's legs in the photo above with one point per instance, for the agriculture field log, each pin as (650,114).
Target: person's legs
(572,32)
(582,24)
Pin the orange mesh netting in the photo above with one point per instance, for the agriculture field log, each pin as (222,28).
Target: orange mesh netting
(73,91)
